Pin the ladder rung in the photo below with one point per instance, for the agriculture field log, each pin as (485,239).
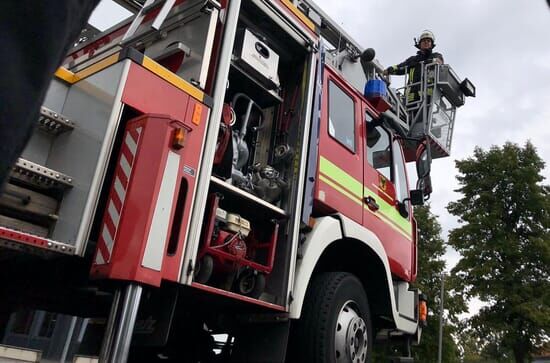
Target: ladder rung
(152,6)
(53,122)
(40,175)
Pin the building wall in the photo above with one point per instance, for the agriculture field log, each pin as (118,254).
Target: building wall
(57,336)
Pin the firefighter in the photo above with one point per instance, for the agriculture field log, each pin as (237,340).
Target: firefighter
(35,36)
(413,65)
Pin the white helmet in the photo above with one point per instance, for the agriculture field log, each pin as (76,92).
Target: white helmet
(425,34)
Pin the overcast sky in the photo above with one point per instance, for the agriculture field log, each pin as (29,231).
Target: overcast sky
(503,46)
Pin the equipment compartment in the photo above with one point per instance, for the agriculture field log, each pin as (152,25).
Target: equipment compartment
(239,248)
(257,162)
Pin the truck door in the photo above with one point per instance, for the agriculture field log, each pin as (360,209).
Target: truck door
(340,171)
(385,187)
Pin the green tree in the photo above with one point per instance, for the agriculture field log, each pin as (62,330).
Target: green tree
(431,265)
(475,352)
(504,241)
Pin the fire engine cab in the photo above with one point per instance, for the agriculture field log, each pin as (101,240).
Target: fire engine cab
(221,181)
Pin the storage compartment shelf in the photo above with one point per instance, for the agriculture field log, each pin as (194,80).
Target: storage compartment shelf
(248,200)
(236,296)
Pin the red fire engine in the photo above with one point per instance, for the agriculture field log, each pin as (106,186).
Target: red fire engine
(212,168)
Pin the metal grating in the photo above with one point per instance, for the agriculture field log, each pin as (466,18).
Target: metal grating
(23,241)
(40,175)
(53,122)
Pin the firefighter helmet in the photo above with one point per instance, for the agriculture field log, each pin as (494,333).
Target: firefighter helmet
(426,34)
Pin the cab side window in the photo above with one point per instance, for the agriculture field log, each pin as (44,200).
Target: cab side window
(379,150)
(341,116)
(400,175)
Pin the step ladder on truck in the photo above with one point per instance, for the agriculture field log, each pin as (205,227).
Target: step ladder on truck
(215,169)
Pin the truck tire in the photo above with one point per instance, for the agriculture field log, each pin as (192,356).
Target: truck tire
(335,325)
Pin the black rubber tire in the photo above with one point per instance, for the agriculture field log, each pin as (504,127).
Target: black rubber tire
(258,284)
(204,269)
(313,335)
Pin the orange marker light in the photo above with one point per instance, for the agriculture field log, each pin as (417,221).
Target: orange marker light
(197,114)
(178,140)
(423,312)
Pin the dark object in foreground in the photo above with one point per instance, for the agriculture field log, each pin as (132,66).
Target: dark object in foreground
(36,48)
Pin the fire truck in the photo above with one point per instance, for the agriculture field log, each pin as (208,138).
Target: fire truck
(225,181)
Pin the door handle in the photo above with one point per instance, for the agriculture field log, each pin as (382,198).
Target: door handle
(371,203)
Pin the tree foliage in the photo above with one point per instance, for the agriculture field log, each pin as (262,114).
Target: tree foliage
(504,240)
(474,351)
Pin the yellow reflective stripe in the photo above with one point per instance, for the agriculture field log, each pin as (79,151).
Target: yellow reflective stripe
(96,67)
(360,202)
(71,77)
(354,190)
(341,190)
(382,191)
(389,223)
(172,78)
(299,14)
(344,179)
(66,75)
(391,213)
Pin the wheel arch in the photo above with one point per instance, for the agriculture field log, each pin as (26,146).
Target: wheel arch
(337,243)
(356,257)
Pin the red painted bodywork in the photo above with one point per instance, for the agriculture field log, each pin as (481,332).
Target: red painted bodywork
(150,94)
(400,250)
(337,153)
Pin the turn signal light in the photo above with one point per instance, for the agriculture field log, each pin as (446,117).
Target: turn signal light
(423,312)
(178,140)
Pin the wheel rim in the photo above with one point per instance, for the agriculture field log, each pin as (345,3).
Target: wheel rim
(351,336)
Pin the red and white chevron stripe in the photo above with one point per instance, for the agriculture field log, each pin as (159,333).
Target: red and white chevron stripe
(115,203)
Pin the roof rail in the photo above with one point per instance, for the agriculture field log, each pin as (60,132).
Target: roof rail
(330,30)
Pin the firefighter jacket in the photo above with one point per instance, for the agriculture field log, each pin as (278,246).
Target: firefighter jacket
(413,65)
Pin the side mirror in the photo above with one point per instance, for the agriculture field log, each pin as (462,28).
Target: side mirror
(417,197)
